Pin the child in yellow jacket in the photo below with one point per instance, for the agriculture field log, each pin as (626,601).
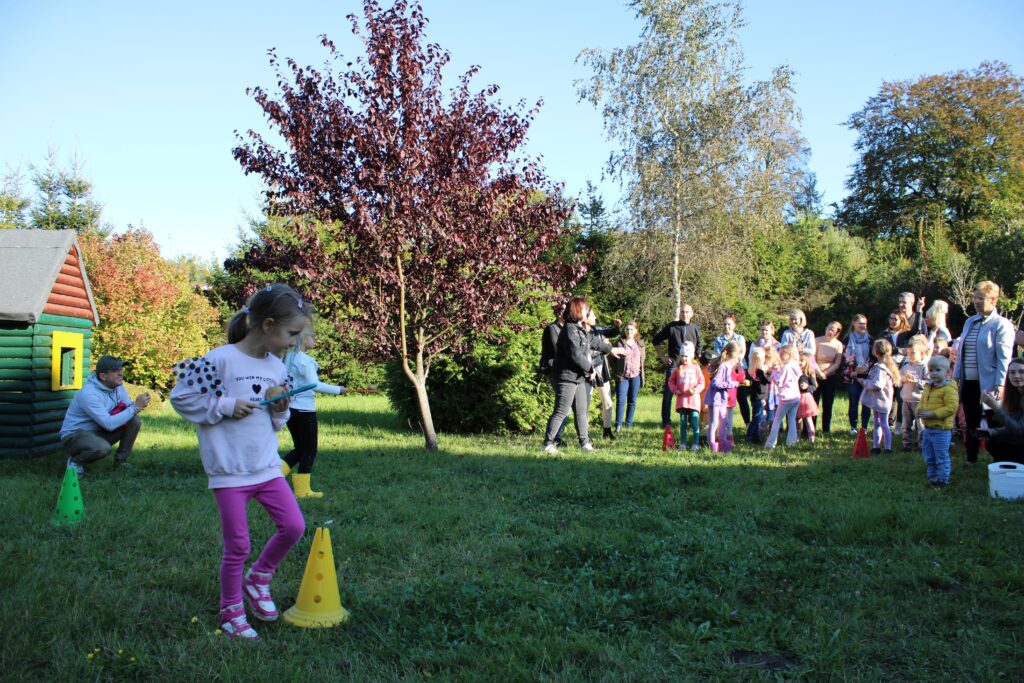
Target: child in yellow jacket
(939,403)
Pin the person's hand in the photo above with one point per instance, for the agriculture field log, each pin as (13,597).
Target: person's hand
(618,322)
(920,305)
(243,409)
(666,360)
(281,404)
(926,414)
(990,400)
(618,352)
(862,370)
(141,401)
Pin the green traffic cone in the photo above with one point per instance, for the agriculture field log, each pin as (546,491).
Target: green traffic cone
(69,510)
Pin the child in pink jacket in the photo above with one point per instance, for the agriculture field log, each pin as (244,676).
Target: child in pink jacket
(686,382)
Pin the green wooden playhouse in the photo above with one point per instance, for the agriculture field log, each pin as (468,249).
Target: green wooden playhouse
(47,314)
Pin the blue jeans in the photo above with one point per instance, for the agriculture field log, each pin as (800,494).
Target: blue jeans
(855,389)
(627,391)
(935,448)
(756,415)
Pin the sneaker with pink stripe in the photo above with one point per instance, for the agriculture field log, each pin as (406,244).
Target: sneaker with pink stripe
(256,591)
(233,623)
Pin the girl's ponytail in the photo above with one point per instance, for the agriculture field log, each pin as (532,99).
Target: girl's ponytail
(238,327)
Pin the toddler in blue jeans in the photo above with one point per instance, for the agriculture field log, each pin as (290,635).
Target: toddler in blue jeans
(939,403)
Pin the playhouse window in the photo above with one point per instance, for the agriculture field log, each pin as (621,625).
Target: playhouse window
(67,366)
(66,361)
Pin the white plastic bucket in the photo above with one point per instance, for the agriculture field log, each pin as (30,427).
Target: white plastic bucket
(1006,480)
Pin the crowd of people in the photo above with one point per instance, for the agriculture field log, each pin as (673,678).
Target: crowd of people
(913,379)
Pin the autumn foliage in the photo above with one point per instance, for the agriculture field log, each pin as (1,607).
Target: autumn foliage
(150,314)
(419,224)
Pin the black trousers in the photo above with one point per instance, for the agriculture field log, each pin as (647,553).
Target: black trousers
(1006,447)
(302,426)
(667,401)
(970,399)
(743,403)
(825,396)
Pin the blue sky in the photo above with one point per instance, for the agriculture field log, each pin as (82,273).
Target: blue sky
(148,95)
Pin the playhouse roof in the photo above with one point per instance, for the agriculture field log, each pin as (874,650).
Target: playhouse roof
(30,261)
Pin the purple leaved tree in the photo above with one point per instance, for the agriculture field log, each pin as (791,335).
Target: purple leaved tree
(415,217)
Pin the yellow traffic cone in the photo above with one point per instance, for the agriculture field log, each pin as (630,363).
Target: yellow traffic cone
(318,604)
(69,511)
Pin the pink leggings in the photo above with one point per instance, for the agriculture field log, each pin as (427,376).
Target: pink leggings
(279,502)
(718,433)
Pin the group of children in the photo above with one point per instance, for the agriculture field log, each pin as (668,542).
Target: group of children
(781,380)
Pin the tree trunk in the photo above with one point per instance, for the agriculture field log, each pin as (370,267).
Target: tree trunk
(677,285)
(419,381)
(419,378)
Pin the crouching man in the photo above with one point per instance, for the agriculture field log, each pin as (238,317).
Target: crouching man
(100,415)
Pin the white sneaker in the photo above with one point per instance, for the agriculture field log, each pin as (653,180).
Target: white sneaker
(587,447)
(551,449)
(695,447)
(79,470)
(853,432)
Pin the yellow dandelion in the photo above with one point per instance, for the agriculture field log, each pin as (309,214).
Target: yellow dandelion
(195,620)
(132,659)
(89,656)
(95,649)
(216,632)
(120,651)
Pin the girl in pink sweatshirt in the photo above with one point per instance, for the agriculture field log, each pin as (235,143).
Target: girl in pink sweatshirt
(686,382)
(786,379)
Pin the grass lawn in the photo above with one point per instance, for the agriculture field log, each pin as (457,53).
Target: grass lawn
(490,560)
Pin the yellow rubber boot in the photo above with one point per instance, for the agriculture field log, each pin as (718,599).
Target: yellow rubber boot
(285,468)
(300,482)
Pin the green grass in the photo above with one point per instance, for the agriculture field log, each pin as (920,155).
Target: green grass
(490,560)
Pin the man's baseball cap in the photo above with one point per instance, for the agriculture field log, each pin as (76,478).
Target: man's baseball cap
(108,364)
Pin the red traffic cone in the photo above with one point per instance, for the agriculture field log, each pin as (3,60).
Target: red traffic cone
(668,441)
(860,446)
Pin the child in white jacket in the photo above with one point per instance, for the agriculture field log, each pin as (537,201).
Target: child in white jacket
(303,423)
(879,388)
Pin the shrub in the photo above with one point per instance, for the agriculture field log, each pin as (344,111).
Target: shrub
(495,387)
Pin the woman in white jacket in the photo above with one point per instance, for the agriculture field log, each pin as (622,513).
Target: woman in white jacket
(303,423)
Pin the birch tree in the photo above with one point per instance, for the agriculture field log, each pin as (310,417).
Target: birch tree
(704,157)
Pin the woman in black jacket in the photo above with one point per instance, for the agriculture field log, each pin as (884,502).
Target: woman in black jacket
(573,366)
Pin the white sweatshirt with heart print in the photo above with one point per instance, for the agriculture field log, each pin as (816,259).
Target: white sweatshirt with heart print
(234,452)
